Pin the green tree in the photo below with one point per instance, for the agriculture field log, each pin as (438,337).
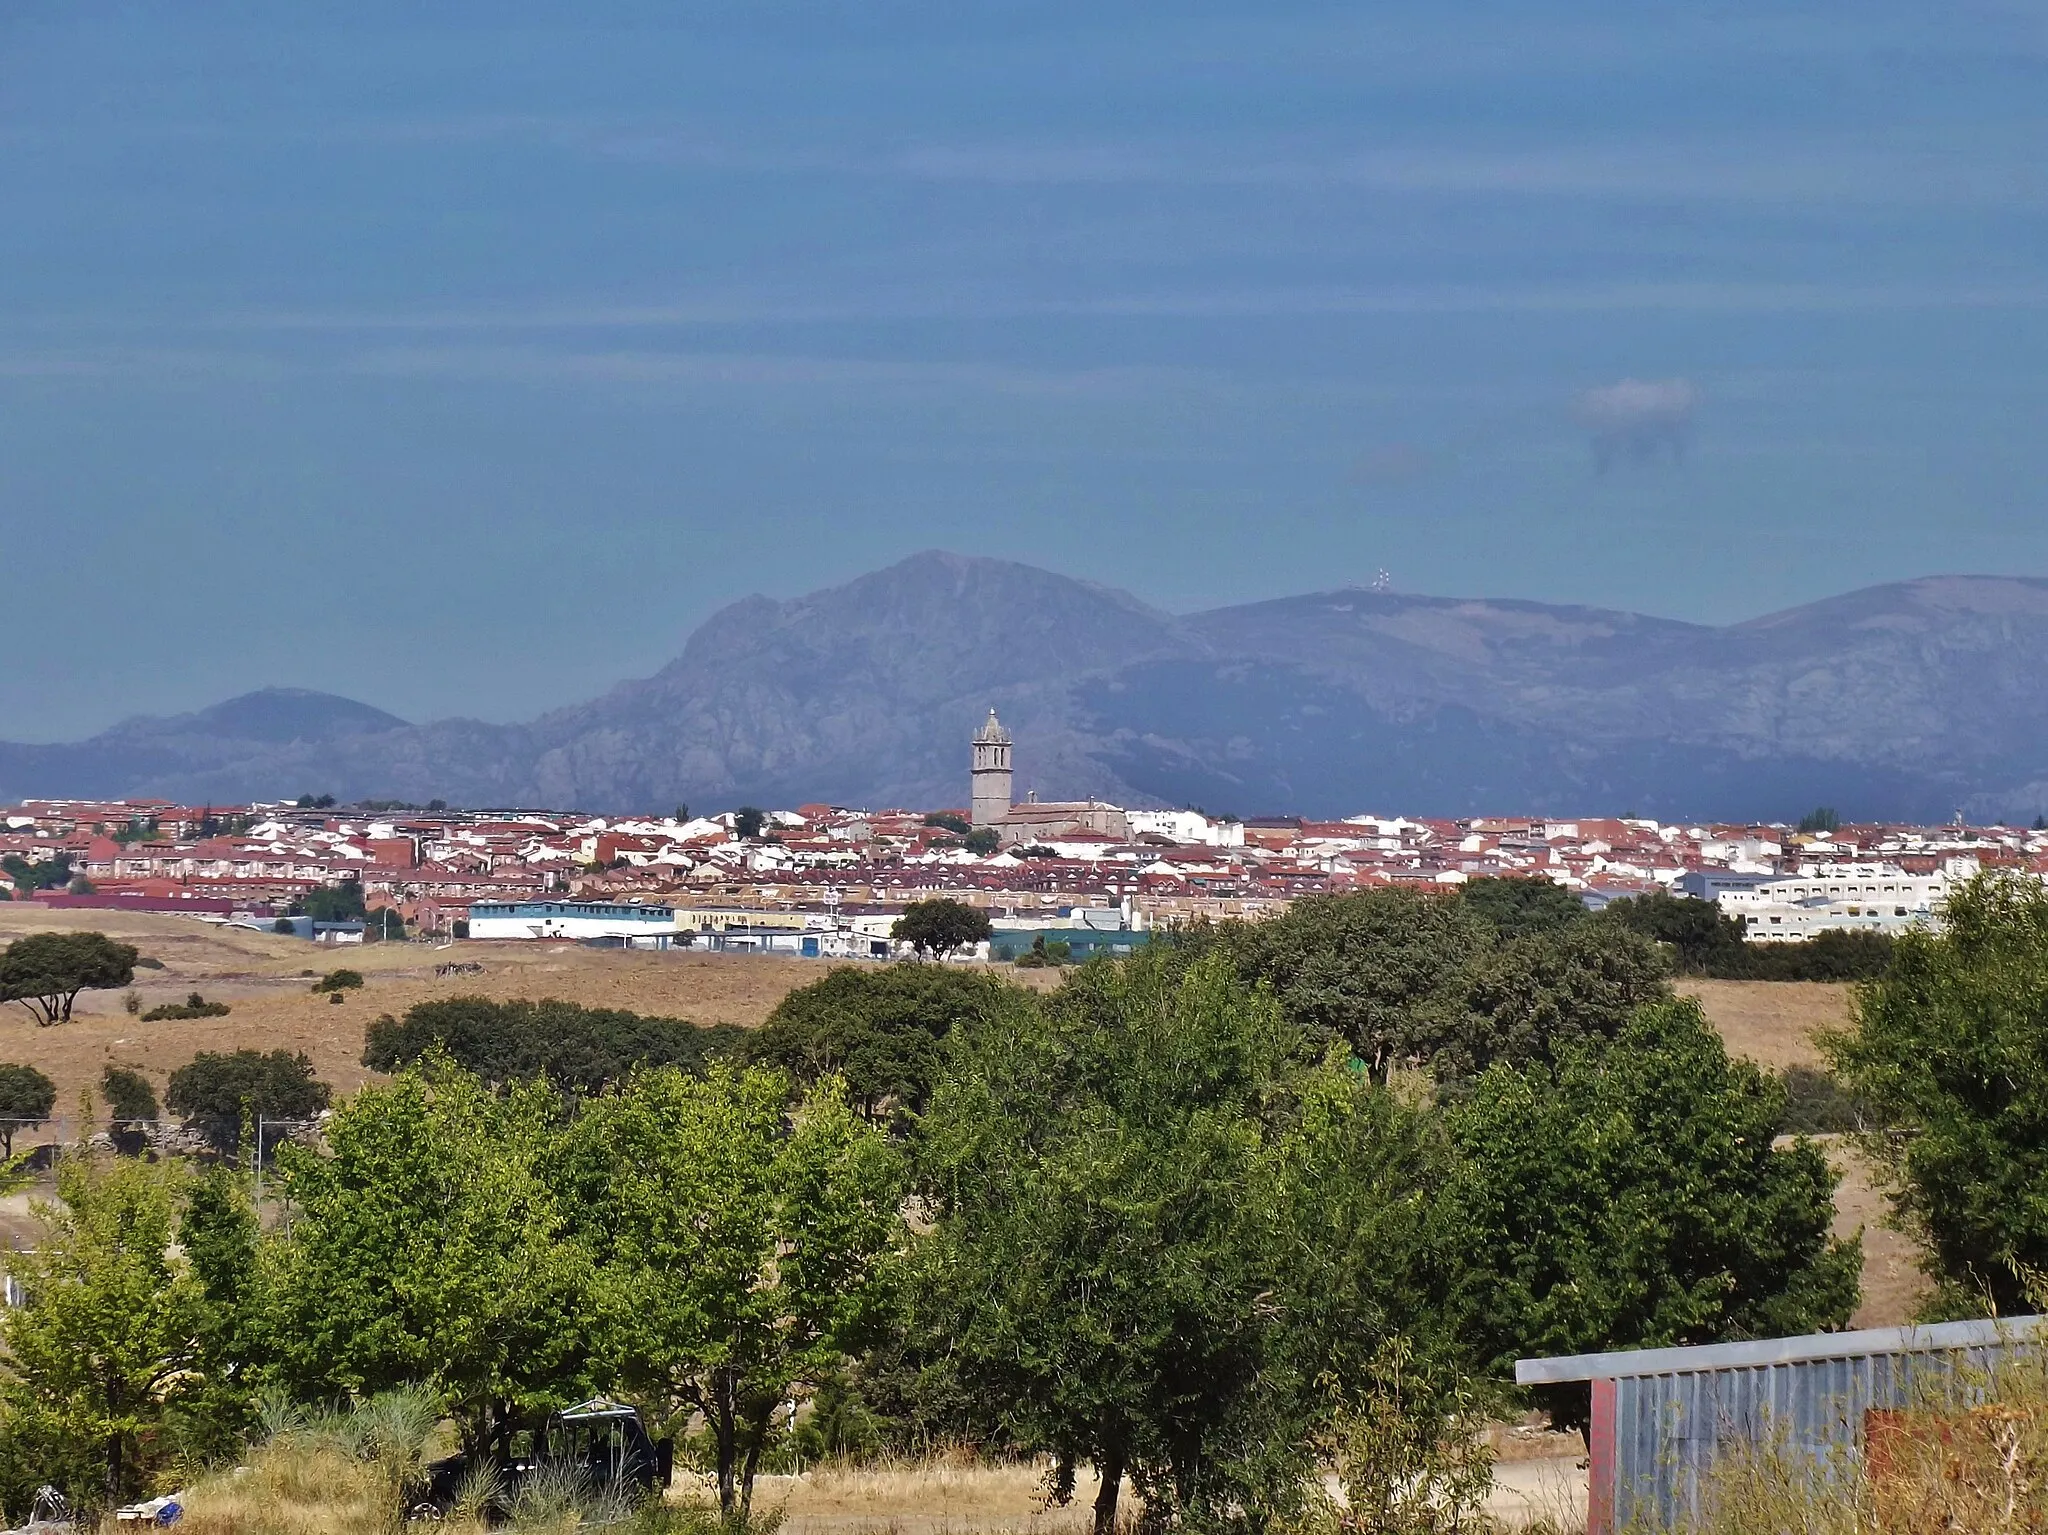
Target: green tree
(1518,906)
(216,1091)
(102,1353)
(736,1251)
(1544,992)
(879,1028)
(1630,1196)
(45,972)
(130,1098)
(1407,979)
(429,1246)
(342,902)
(1160,1243)
(950,820)
(1822,819)
(748,821)
(384,925)
(982,841)
(1950,1050)
(46,874)
(233,1356)
(579,1049)
(939,926)
(26,1098)
(1701,939)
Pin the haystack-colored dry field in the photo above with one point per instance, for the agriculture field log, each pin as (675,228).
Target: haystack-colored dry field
(267,980)
(1772,1022)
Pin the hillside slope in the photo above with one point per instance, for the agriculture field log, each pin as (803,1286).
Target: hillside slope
(1903,701)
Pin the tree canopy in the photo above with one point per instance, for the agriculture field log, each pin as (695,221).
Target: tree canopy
(45,972)
(1630,1196)
(1423,979)
(1950,1049)
(879,1028)
(735,1248)
(939,926)
(215,1091)
(1116,1262)
(131,1100)
(26,1098)
(579,1049)
(1519,906)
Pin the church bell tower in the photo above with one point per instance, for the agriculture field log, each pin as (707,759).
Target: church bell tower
(991,772)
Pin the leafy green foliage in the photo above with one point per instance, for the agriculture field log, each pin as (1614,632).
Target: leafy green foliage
(194,1006)
(102,1354)
(1405,978)
(1822,819)
(429,1246)
(982,841)
(1630,1196)
(939,926)
(1157,1235)
(880,1028)
(1704,941)
(130,1098)
(952,821)
(1951,1047)
(26,1098)
(340,980)
(383,924)
(579,1049)
(52,873)
(216,1091)
(333,903)
(45,972)
(748,822)
(736,1252)
(1520,906)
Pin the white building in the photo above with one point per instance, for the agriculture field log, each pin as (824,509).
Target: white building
(632,926)
(1848,897)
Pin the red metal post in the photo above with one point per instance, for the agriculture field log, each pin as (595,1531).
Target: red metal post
(1600,1461)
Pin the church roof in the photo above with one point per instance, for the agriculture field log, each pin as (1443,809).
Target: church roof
(992,732)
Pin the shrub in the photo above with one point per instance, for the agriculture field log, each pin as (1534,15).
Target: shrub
(194,1006)
(130,1098)
(339,980)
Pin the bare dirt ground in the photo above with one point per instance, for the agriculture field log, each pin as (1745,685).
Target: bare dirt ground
(1772,1022)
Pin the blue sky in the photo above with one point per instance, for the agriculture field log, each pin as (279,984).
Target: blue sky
(461,358)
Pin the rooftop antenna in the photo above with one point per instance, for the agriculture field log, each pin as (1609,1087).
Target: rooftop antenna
(1382,581)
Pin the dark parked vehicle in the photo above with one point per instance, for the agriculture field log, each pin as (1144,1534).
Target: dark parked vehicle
(602,1443)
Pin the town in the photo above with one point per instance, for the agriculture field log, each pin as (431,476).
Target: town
(828,881)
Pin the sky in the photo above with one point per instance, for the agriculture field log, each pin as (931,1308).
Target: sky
(462,358)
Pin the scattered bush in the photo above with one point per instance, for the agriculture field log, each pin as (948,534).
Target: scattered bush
(339,980)
(194,1006)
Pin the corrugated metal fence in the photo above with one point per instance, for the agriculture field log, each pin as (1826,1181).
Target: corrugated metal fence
(1661,1417)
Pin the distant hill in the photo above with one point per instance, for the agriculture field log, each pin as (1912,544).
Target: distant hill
(1906,701)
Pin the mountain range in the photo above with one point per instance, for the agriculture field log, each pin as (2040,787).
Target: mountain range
(1908,701)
